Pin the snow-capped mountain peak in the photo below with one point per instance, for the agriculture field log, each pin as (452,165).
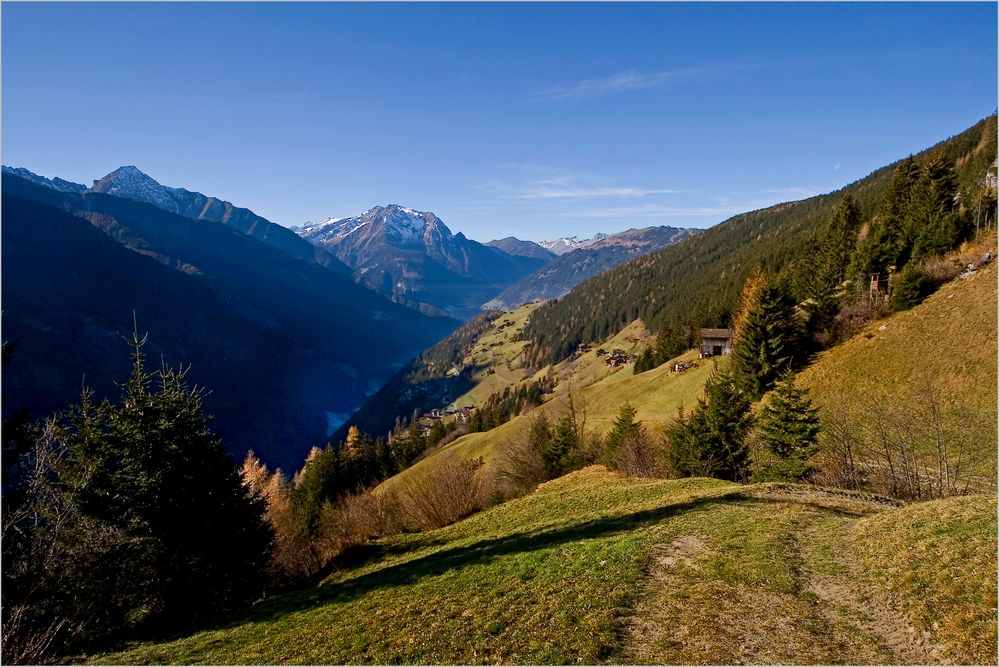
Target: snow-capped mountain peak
(54,183)
(569,243)
(132,183)
(401,225)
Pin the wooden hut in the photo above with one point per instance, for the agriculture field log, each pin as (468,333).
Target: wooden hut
(716,342)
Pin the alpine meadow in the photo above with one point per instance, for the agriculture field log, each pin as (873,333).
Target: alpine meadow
(507,333)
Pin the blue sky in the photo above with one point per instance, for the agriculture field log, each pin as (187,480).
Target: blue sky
(533,120)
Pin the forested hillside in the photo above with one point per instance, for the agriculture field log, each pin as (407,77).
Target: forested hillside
(698,281)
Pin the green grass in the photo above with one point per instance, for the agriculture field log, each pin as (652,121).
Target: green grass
(656,394)
(590,568)
(498,351)
(940,559)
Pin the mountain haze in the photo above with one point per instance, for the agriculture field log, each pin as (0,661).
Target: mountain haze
(412,257)
(556,278)
(514,246)
(285,345)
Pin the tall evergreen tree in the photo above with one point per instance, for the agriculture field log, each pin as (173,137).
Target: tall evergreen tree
(711,441)
(144,513)
(836,248)
(767,340)
(562,453)
(624,427)
(789,428)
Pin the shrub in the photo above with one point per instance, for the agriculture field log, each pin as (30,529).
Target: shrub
(640,454)
(910,287)
(517,467)
(445,490)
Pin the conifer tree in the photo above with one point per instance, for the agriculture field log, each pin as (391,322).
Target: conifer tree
(561,453)
(624,427)
(145,519)
(789,428)
(711,441)
(836,249)
(767,341)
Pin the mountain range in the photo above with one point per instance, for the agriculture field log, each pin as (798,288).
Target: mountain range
(412,257)
(288,347)
(129,182)
(565,244)
(514,246)
(588,259)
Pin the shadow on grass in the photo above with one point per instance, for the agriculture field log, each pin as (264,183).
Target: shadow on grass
(440,562)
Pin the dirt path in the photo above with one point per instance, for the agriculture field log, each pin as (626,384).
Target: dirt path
(771,584)
(868,610)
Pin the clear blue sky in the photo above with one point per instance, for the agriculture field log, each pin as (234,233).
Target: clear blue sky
(535,120)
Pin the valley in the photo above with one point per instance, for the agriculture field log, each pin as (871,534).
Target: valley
(721,390)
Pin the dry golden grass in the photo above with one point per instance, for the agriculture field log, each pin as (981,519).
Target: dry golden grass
(939,560)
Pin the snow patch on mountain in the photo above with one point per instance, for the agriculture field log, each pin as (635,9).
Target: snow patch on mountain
(131,183)
(569,243)
(403,225)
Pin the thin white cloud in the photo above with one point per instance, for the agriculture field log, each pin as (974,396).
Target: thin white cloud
(630,80)
(654,211)
(539,183)
(589,193)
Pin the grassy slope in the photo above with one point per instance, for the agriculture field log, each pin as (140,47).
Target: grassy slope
(594,567)
(657,394)
(951,337)
(497,350)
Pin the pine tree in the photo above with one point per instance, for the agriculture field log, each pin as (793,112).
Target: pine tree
(711,441)
(147,523)
(836,248)
(624,427)
(646,361)
(789,428)
(561,453)
(889,240)
(767,341)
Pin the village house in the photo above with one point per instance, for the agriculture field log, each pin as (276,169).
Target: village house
(716,342)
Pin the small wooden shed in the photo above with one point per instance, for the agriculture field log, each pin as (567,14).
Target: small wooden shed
(716,342)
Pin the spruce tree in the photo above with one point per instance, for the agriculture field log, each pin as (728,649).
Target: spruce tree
(711,441)
(561,453)
(789,428)
(836,248)
(624,427)
(767,340)
(143,513)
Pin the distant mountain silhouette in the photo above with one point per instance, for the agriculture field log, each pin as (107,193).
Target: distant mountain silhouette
(287,347)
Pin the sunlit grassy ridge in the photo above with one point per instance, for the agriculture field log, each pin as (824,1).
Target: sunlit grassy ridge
(931,556)
(949,340)
(500,351)
(595,567)
(656,394)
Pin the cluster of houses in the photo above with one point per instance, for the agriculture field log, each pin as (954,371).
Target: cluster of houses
(427,420)
(504,324)
(616,357)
